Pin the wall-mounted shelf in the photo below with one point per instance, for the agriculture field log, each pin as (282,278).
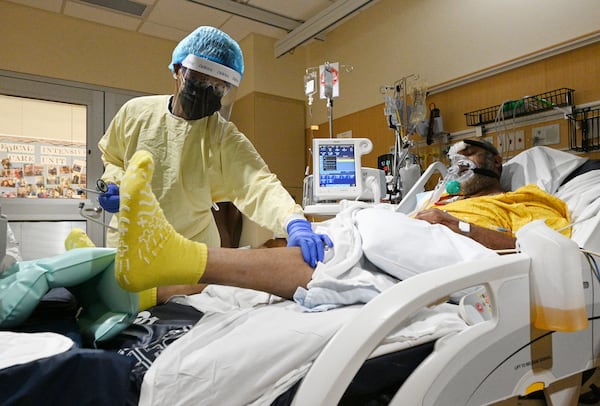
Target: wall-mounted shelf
(521,107)
(584,130)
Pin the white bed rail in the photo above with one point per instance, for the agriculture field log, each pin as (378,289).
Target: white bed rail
(352,345)
(409,200)
(486,362)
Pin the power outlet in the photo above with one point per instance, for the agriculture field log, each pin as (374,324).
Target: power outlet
(519,144)
(501,142)
(546,135)
(512,141)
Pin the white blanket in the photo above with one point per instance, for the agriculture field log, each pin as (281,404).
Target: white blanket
(582,197)
(246,353)
(368,240)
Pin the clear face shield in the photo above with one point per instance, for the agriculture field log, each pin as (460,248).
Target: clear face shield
(203,88)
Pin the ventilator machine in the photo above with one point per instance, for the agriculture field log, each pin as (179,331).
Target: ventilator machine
(338,175)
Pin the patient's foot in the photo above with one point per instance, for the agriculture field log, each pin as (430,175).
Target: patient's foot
(77,238)
(151,253)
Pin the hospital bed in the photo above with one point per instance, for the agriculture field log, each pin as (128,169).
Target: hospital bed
(495,359)
(461,364)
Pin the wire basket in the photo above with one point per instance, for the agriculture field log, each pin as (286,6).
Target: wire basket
(584,130)
(521,107)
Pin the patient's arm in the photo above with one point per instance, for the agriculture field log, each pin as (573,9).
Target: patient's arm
(492,239)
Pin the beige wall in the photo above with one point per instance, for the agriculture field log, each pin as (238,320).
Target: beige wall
(441,40)
(280,77)
(438,39)
(47,44)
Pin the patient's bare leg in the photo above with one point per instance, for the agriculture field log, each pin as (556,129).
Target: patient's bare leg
(151,253)
(275,270)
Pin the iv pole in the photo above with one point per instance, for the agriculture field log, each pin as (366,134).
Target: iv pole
(328,93)
(401,128)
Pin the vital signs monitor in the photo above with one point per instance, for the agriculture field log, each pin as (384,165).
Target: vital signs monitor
(337,167)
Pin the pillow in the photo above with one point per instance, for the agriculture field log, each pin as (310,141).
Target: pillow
(20,292)
(543,166)
(107,309)
(88,272)
(74,266)
(397,244)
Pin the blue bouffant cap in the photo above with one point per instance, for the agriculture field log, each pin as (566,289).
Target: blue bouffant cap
(212,44)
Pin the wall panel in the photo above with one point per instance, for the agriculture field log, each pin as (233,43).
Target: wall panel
(577,69)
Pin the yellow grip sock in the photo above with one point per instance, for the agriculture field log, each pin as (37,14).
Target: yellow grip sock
(77,238)
(147,298)
(151,253)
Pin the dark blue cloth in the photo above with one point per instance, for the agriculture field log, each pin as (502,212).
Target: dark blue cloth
(76,377)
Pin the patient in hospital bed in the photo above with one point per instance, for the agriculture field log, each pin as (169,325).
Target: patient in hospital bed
(476,219)
(494,217)
(367,240)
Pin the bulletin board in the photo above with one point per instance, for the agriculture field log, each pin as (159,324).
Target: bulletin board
(34,168)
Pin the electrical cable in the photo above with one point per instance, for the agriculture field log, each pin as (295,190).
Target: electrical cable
(590,252)
(575,222)
(593,264)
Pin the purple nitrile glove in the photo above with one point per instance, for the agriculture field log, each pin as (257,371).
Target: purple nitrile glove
(110,199)
(300,234)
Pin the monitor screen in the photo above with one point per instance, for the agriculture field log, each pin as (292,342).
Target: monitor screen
(337,167)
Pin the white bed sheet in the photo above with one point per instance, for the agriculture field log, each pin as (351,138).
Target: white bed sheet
(244,352)
(581,195)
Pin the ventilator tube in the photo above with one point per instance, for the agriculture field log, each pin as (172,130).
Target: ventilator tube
(557,296)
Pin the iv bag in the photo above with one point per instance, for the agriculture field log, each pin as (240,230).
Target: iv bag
(418,112)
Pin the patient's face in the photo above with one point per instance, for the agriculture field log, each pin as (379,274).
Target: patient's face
(475,154)
(478,182)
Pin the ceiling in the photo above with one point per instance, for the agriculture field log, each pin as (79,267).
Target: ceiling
(291,22)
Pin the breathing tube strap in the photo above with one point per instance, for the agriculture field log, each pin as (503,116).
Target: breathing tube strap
(486,172)
(482,144)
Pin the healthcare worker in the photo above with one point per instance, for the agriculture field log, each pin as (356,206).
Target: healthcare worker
(200,156)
